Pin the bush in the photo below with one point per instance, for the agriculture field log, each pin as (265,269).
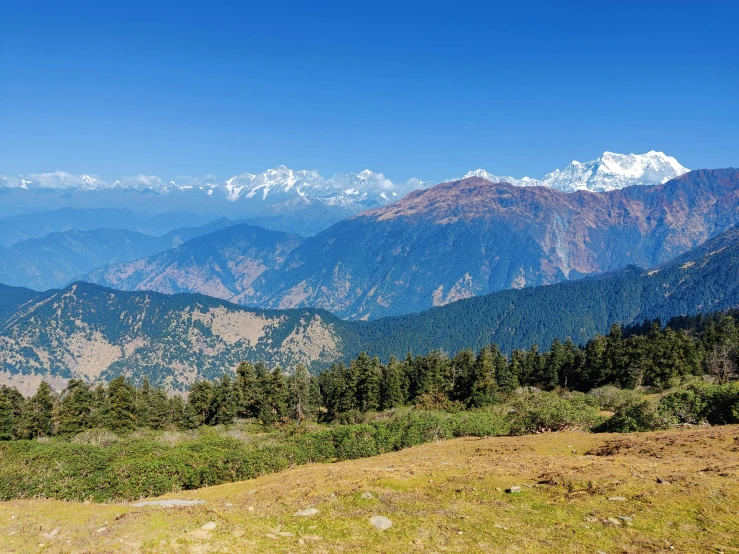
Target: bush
(612,398)
(100,466)
(546,411)
(645,415)
(96,437)
(686,406)
(720,403)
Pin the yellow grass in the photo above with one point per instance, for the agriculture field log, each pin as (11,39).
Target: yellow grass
(443,497)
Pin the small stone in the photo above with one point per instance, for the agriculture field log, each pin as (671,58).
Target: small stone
(662,481)
(238,533)
(417,541)
(380,522)
(625,518)
(250,509)
(614,521)
(51,534)
(460,533)
(301,541)
(209,526)
(617,499)
(514,490)
(308,512)
(367,495)
(101,530)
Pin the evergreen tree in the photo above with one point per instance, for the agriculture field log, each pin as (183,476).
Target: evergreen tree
(224,402)
(37,413)
(11,413)
(159,410)
(368,377)
(463,372)
(143,396)
(248,390)
(300,397)
(120,409)
(75,408)
(391,395)
(274,391)
(199,404)
(176,412)
(484,386)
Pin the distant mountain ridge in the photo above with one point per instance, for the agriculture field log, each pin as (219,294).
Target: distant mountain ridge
(472,237)
(610,171)
(467,238)
(223,264)
(56,259)
(297,201)
(89,332)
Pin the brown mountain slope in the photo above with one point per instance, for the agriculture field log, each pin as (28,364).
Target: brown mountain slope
(472,237)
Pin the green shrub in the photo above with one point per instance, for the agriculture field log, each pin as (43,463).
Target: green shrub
(540,412)
(645,415)
(610,397)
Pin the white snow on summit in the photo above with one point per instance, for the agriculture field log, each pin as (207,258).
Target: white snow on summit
(609,172)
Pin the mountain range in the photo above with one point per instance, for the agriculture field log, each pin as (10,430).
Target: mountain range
(297,201)
(610,171)
(59,257)
(450,241)
(94,333)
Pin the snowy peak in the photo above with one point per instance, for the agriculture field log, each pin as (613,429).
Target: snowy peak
(610,171)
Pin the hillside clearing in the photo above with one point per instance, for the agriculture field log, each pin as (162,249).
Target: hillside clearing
(442,497)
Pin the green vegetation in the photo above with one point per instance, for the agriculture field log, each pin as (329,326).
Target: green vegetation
(123,441)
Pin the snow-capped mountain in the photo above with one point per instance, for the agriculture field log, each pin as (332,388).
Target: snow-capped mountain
(299,201)
(279,181)
(609,172)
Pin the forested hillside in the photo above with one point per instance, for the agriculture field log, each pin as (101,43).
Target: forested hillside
(89,332)
(85,331)
(471,237)
(705,279)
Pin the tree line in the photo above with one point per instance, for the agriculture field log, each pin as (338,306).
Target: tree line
(647,354)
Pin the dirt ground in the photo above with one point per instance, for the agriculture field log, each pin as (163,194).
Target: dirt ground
(672,491)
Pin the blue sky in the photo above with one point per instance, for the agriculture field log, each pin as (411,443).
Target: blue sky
(409,89)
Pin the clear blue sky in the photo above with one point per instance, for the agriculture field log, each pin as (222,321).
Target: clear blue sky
(409,89)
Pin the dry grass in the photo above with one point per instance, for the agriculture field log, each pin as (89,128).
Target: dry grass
(443,497)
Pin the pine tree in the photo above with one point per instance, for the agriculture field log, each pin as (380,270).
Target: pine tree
(368,376)
(143,396)
(274,391)
(484,387)
(120,408)
(159,410)
(37,413)
(506,377)
(176,412)
(300,398)
(391,395)
(224,403)
(75,408)
(463,371)
(199,404)
(11,413)
(248,390)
